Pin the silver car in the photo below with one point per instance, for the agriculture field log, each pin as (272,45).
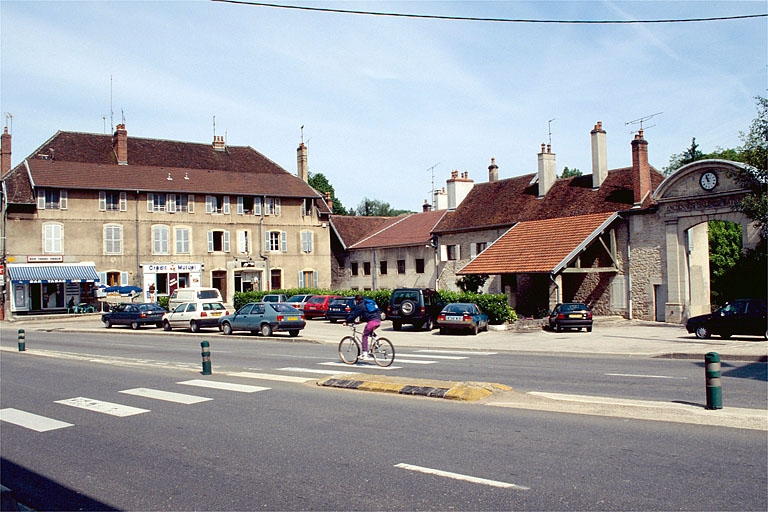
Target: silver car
(194,315)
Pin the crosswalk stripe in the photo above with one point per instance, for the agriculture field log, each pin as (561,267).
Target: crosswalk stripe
(31,421)
(228,386)
(271,376)
(412,361)
(110,408)
(467,352)
(168,396)
(370,366)
(436,357)
(314,370)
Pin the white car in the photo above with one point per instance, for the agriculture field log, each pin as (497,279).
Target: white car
(194,315)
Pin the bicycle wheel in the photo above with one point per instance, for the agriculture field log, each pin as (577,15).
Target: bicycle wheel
(383,351)
(349,350)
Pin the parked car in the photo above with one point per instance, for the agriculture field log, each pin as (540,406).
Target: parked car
(274,297)
(181,295)
(415,306)
(298,301)
(462,316)
(264,317)
(317,306)
(194,315)
(134,315)
(571,315)
(740,316)
(338,309)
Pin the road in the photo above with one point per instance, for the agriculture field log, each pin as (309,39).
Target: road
(291,445)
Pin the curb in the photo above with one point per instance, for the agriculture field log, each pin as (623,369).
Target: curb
(465,391)
(724,356)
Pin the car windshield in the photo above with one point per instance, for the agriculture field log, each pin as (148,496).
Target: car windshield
(208,294)
(458,309)
(282,308)
(401,296)
(573,307)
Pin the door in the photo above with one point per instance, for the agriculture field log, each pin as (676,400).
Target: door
(659,301)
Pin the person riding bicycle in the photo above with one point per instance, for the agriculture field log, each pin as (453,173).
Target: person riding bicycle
(372,319)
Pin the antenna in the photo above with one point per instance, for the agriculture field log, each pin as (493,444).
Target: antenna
(111,111)
(641,120)
(122,116)
(104,119)
(9,117)
(302,134)
(549,129)
(432,170)
(214,127)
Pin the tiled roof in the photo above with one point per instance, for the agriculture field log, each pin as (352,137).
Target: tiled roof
(413,229)
(504,202)
(538,245)
(352,229)
(87,161)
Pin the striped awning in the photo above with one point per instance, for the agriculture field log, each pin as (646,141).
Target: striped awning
(63,273)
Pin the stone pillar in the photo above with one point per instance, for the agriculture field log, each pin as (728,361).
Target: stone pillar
(677,282)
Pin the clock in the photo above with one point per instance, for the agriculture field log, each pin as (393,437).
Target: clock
(708,180)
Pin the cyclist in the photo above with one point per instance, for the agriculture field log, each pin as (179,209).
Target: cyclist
(372,321)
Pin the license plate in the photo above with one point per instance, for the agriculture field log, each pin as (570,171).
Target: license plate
(574,316)
(216,314)
(454,318)
(292,318)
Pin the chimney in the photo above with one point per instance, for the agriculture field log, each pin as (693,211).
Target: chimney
(426,207)
(301,162)
(120,144)
(641,171)
(218,143)
(599,156)
(440,199)
(547,169)
(5,145)
(493,171)
(458,187)
(329,201)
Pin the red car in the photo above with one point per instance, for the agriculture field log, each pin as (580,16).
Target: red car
(317,306)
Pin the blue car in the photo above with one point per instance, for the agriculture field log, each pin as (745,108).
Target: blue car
(264,318)
(134,315)
(462,316)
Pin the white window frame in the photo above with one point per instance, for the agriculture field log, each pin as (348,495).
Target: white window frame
(154,202)
(182,244)
(53,238)
(244,243)
(161,235)
(42,202)
(280,242)
(113,239)
(224,240)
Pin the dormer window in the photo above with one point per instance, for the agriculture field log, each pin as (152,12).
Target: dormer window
(217,204)
(51,199)
(156,202)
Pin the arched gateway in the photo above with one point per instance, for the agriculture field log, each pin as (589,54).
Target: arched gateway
(688,199)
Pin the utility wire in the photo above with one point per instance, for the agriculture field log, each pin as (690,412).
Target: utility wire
(498,20)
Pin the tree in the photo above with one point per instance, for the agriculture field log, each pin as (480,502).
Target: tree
(689,155)
(374,208)
(472,283)
(320,183)
(725,251)
(570,173)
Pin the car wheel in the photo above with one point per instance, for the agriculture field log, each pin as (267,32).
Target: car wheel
(427,324)
(474,330)
(166,325)
(333,320)
(266,330)
(558,328)
(382,316)
(134,325)
(443,330)
(702,332)
(193,326)
(407,307)
(108,323)
(293,333)
(226,328)
(725,335)
(397,325)
(589,328)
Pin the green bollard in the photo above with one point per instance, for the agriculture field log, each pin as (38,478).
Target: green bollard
(206,358)
(714,384)
(22,341)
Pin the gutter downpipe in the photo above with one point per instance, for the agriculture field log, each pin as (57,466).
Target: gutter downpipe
(3,258)
(629,271)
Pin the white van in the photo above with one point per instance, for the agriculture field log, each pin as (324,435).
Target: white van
(181,295)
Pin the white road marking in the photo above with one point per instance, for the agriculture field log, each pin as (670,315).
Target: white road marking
(31,421)
(228,386)
(436,357)
(110,408)
(371,365)
(645,376)
(313,370)
(457,476)
(270,376)
(412,361)
(467,352)
(168,396)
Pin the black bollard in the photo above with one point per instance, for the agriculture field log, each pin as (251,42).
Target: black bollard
(206,358)
(22,341)
(714,384)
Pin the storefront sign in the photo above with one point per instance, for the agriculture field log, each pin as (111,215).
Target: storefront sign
(173,267)
(45,259)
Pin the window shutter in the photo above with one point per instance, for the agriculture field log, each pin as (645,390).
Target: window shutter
(62,200)
(150,201)
(102,278)
(284,244)
(191,203)
(40,199)
(242,242)
(443,253)
(301,279)
(240,208)
(226,241)
(123,202)
(102,201)
(209,204)
(257,206)
(267,247)
(268,206)
(171,203)
(277,206)
(314,275)
(210,241)
(225,209)
(458,252)
(123,278)
(472,251)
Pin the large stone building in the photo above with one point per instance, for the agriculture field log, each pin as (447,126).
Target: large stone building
(88,210)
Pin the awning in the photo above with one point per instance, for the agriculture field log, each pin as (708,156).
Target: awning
(63,273)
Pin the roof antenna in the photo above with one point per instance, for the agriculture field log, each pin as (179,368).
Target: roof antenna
(122,115)
(214,127)
(9,116)
(549,129)
(111,110)
(641,120)
(432,169)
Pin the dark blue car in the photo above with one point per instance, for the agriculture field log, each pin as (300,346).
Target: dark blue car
(134,315)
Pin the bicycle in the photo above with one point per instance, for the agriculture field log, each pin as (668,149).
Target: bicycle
(381,349)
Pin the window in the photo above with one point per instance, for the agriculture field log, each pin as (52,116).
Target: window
(244,242)
(306,241)
(217,204)
(113,239)
(276,241)
(53,199)
(112,201)
(419,266)
(272,206)
(218,241)
(449,252)
(247,205)
(308,279)
(276,279)
(182,240)
(383,267)
(160,239)
(401,266)
(156,202)
(53,238)
(354,268)
(185,203)
(367,268)
(307,207)
(477,248)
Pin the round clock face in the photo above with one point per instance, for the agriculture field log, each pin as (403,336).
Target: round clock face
(708,180)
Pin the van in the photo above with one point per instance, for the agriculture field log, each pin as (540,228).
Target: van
(181,295)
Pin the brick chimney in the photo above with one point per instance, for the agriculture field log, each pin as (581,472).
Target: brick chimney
(329,201)
(301,162)
(547,169)
(219,144)
(599,155)
(426,207)
(5,144)
(120,144)
(493,171)
(458,187)
(641,171)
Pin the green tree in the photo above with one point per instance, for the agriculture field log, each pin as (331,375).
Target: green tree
(319,182)
(570,173)
(678,160)
(374,208)
(725,251)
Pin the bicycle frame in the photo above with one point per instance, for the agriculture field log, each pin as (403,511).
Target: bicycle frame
(381,349)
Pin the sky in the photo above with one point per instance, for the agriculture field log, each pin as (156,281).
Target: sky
(389,105)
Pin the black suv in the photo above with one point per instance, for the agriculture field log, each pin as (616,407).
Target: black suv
(740,316)
(416,306)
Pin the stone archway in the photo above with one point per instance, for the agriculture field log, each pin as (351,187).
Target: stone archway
(688,199)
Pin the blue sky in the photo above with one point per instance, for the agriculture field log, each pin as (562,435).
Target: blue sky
(383,99)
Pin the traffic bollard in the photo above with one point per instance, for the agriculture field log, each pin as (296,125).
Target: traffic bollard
(714,384)
(206,358)
(22,341)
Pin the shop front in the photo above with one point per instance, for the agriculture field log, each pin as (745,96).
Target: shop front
(161,279)
(50,288)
